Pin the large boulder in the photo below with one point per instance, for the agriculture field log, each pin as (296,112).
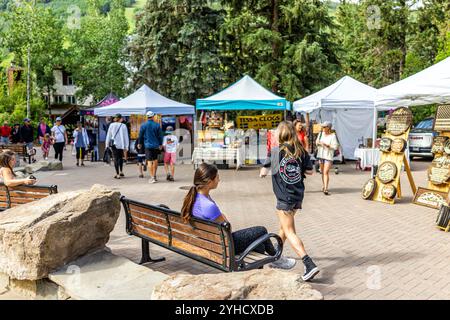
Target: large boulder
(40,237)
(266,284)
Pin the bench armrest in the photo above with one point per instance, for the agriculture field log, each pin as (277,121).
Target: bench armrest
(258,242)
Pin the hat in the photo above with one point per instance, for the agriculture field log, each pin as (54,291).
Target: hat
(169,128)
(58,119)
(150,114)
(26,120)
(326,124)
(118,116)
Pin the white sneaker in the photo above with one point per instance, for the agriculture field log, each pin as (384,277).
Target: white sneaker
(152,180)
(284,263)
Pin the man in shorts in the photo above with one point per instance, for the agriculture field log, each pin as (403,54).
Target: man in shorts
(150,136)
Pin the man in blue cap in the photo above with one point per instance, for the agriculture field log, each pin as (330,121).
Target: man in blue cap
(151,137)
(27,136)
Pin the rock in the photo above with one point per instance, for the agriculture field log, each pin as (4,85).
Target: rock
(42,236)
(55,165)
(263,284)
(105,276)
(43,165)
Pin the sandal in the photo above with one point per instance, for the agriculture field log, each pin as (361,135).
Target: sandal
(325,192)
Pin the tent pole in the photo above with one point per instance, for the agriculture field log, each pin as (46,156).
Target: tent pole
(374,135)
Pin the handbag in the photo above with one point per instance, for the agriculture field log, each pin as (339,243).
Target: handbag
(112,144)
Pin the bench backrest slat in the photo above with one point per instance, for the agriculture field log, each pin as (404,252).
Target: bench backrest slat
(14,196)
(202,240)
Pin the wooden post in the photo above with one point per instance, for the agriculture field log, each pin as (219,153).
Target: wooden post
(409,174)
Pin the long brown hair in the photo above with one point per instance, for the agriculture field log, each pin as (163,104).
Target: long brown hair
(204,174)
(296,121)
(287,136)
(5,160)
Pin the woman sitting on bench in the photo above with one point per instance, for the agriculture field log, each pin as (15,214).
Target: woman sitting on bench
(7,175)
(198,203)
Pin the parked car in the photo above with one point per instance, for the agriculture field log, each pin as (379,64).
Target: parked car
(421,139)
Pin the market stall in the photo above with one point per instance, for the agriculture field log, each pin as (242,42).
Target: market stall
(349,105)
(169,113)
(91,123)
(225,137)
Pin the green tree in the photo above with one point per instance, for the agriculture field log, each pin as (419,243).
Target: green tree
(176,48)
(96,52)
(36,29)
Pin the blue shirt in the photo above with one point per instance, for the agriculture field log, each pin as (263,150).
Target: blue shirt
(205,208)
(151,135)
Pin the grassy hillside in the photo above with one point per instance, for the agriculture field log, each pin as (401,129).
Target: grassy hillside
(131,13)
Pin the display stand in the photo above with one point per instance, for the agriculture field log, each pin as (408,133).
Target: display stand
(437,191)
(386,186)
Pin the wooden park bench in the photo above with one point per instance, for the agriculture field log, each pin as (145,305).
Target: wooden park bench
(205,241)
(20,149)
(11,197)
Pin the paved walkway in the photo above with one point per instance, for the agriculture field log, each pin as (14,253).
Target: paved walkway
(366,250)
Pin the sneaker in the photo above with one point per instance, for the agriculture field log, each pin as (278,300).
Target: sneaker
(152,180)
(122,175)
(311,270)
(168,177)
(172,179)
(284,263)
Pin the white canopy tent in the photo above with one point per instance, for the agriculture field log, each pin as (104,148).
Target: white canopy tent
(428,86)
(349,105)
(142,101)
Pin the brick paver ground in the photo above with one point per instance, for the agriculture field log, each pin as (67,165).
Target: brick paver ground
(366,250)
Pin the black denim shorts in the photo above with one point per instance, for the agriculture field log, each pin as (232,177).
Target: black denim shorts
(290,208)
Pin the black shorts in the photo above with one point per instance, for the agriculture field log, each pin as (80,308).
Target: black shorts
(151,154)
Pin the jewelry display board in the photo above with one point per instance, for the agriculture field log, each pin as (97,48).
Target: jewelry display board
(392,160)
(439,171)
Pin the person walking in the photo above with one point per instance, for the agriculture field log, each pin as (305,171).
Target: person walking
(60,139)
(301,133)
(81,143)
(150,136)
(327,144)
(170,144)
(5,133)
(290,163)
(15,134)
(42,130)
(118,141)
(141,162)
(45,146)
(27,136)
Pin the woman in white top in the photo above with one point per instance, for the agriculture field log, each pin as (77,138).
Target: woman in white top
(327,144)
(118,140)
(7,175)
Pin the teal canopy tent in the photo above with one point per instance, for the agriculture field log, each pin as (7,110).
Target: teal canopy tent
(246,94)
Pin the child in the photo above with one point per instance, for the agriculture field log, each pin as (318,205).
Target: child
(46,143)
(141,162)
(170,144)
(290,162)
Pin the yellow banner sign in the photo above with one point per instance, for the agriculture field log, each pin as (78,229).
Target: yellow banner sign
(267,121)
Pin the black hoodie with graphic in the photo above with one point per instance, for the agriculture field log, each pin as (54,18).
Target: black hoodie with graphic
(288,174)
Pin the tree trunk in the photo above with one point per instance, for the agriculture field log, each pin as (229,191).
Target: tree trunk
(275,46)
(404,26)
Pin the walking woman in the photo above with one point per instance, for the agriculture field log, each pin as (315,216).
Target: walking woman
(59,134)
(117,139)
(81,143)
(198,203)
(327,144)
(7,175)
(289,164)
(301,134)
